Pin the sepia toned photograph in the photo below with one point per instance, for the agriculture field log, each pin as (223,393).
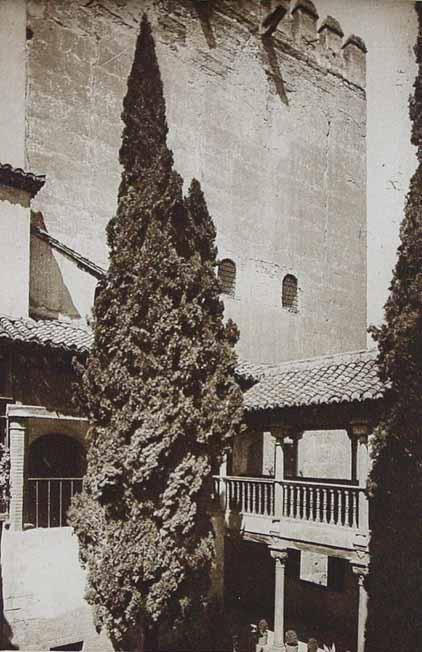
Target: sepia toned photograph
(211,325)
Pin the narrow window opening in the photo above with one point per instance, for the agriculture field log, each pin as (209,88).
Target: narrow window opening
(289,293)
(227,276)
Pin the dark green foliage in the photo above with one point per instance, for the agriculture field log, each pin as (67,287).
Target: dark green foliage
(395,577)
(158,387)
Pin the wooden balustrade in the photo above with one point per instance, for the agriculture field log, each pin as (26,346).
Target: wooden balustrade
(328,504)
(331,504)
(48,500)
(246,495)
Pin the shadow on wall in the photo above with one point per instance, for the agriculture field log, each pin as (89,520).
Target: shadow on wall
(204,11)
(49,297)
(328,613)
(272,69)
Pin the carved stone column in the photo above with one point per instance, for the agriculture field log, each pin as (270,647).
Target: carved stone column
(18,448)
(223,466)
(361,572)
(280,557)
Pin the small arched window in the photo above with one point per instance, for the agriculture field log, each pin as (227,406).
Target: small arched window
(289,293)
(227,276)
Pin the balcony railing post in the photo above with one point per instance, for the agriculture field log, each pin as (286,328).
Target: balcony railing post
(340,508)
(280,434)
(360,431)
(347,508)
(279,477)
(221,483)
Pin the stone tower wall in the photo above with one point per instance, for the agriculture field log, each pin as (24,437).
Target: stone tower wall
(273,127)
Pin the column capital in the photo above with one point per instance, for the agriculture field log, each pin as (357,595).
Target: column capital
(280,556)
(17,423)
(360,429)
(280,432)
(286,434)
(361,572)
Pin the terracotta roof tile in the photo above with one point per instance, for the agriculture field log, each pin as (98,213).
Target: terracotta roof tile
(319,381)
(331,379)
(51,333)
(18,178)
(253,371)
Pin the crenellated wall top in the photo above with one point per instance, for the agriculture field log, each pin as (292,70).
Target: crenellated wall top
(300,27)
(296,26)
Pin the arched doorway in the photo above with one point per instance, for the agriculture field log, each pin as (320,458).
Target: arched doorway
(56,466)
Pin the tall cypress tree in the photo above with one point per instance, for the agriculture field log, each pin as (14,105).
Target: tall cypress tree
(158,387)
(395,572)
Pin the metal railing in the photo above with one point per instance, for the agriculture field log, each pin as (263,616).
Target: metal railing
(316,502)
(48,500)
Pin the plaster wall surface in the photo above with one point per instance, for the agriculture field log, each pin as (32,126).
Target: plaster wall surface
(12,81)
(58,288)
(322,454)
(325,454)
(14,251)
(274,130)
(253,454)
(43,587)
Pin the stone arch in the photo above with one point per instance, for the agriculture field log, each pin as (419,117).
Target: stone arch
(56,456)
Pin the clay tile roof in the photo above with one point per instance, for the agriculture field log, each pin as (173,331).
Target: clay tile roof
(319,381)
(253,371)
(18,178)
(326,380)
(51,333)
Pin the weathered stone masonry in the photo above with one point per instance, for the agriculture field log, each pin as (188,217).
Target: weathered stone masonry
(274,128)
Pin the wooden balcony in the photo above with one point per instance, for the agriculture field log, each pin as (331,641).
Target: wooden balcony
(323,513)
(254,496)
(330,504)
